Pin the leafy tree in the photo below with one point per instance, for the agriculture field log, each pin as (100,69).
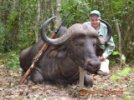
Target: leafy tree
(20,20)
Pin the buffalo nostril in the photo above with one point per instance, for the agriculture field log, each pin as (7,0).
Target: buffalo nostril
(92,65)
(94,62)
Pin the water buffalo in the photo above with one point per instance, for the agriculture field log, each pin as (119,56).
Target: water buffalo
(59,64)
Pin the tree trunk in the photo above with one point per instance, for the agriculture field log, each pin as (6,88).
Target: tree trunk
(120,46)
(58,9)
(38,19)
(15,28)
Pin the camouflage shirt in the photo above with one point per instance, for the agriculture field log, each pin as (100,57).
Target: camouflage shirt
(108,49)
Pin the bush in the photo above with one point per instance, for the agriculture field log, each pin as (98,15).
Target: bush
(11,60)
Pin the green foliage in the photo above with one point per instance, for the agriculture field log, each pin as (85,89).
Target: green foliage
(11,60)
(18,20)
(122,56)
(17,28)
(8,43)
(121,74)
(11,20)
(127,98)
(115,53)
(1,36)
(118,5)
(78,11)
(27,28)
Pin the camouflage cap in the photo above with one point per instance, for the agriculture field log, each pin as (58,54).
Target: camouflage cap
(95,12)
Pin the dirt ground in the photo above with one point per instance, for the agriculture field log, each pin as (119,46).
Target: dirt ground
(104,88)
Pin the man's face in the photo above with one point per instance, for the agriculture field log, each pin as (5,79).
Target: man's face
(95,21)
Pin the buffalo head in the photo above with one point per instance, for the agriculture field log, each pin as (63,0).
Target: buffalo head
(80,42)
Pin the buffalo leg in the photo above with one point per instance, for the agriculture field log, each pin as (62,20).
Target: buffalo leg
(36,76)
(88,80)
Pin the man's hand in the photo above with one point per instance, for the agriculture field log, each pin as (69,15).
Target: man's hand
(101,58)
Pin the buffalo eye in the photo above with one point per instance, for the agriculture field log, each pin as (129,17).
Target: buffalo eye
(94,45)
(78,44)
(94,41)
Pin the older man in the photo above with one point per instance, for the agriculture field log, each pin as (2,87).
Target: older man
(95,22)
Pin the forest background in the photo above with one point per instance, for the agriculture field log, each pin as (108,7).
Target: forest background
(20,21)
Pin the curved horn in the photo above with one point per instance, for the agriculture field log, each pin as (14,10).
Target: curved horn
(60,40)
(45,38)
(109,33)
(44,27)
(75,29)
